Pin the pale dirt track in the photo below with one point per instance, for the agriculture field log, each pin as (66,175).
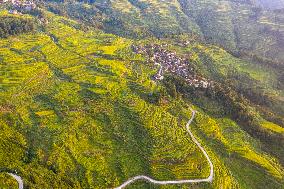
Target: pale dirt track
(19,180)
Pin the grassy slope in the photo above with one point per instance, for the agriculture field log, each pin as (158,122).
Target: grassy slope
(159,18)
(238,27)
(75,113)
(78,108)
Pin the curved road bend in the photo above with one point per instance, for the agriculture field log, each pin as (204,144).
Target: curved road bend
(19,180)
(146,178)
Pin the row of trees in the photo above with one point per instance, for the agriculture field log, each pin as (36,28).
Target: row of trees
(235,105)
(13,26)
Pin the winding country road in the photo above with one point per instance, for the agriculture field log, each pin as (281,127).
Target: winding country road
(146,178)
(19,180)
(161,77)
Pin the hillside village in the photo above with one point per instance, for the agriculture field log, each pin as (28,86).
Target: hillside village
(17,5)
(170,62)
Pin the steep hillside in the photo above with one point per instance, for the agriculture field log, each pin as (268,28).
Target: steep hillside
(75,112)
(240,27)
(81,107)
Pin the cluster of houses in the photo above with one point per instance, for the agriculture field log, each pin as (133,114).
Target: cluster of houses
(170,62)
(20,5)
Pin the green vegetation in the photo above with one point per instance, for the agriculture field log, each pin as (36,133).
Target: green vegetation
(81,114)
(78,108)
(239,27)
(7,181)
(13,26)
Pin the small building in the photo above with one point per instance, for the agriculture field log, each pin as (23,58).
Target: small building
(13,12)
(3,1)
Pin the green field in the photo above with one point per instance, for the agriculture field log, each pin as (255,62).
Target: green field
(78,109)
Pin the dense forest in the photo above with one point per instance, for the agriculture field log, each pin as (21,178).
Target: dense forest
(13,26)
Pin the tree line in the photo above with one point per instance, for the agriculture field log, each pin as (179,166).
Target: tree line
(235,105)
(13,26)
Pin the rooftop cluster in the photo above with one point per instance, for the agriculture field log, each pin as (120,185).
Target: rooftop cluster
(170,62)
(18,5)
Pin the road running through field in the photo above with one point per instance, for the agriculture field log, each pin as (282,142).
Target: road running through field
(19,180)
(160,73)
(146,178)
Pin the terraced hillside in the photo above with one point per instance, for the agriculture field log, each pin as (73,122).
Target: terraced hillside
(79,109)
(241,27)
(73,113)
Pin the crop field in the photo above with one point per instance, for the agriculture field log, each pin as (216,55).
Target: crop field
(78,110)
(71,108)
